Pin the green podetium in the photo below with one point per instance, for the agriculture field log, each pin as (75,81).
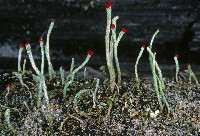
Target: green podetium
(7,117)
(150,47)
(177,66)
(116,41)
(156,64)
(19,57)
(76,102)
(19,74)
(52,73)
(109,46)
(8,89)
(40,76)
(62,71)
(138,58)
(29,52)
(153,68)
(72,66)
(189,70)
(24,66)
(41,41)
(90,53)
(108,55)
(113,37)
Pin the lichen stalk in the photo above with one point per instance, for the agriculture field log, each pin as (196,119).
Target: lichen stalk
(163,95)
(7,117)
(160,75)
(150,47)
(107,42)
(115,54)
(137,61)
(41,41)
(19,56)
(155,76)
(81,66)
(113,36)
(24,65)
(29,52)
(191,73)
(51,71)
(177,66)
(65,89)
(72,66)
(62,72)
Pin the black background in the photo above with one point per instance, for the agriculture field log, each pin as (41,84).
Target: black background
(80,26)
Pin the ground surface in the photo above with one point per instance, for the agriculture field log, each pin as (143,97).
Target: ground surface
(130,111)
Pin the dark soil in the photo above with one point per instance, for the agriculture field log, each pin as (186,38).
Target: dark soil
(129,111)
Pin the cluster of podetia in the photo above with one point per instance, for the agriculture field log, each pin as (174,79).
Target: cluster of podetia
(111,43)
(39,78)
(111,46)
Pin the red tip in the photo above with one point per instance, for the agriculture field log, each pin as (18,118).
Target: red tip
(187,64)
(52,21)
(124,29)
(108,4)
(25,58)
(176,55)
(90,52)
(63,67)
(27,44)
(20,72)
(118,17)
(41,40)
(112,26)
(45,45)
(8,85)
(143,46)
(22,46)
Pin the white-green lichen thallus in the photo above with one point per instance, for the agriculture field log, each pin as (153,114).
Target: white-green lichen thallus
(150,47)
(155,76)
(137,61)
(52,73)
(107,42)
(189,70)
(112,43)
(29,52)
(177,66)
(41,41)
(90,53)
(19,56)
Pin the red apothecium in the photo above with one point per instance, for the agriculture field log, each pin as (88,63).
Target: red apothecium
(22,46)
(124,29)
(112,26)
(41,40)
(108,4)
(90,52)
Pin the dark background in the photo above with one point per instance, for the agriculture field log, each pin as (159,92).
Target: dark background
(80,26)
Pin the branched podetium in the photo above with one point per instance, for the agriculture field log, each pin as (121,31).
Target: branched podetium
(153,68)
(159,78)
(20,74)
(110,42)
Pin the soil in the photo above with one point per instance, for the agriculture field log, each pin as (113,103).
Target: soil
(127,111)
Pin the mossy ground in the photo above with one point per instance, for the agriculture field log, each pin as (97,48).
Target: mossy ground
(129,115)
